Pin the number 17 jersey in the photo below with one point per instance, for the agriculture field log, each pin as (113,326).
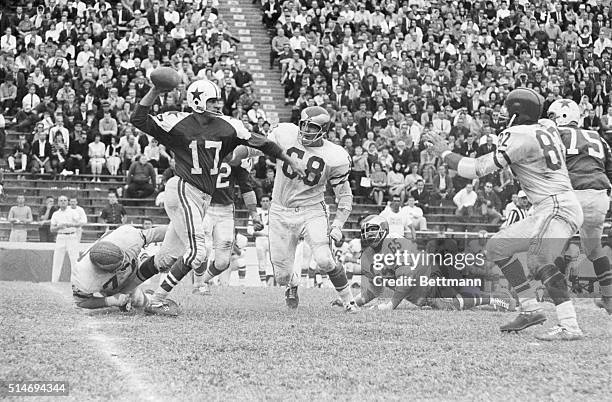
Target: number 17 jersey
(535,155)
(327,163)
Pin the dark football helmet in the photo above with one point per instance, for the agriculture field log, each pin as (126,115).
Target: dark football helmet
(523,106)
(374,229)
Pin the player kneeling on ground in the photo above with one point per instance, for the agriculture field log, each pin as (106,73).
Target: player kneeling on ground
(374,231)
(108,275)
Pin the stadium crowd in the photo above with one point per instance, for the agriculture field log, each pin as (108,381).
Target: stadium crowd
(391,71)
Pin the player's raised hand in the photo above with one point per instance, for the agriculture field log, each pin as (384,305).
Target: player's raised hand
(437,142)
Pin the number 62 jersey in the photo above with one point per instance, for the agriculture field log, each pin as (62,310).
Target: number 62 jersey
(327,163)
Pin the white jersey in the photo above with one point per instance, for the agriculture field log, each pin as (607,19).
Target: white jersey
(535,154)
(88,279)
(398,222)
(329,162)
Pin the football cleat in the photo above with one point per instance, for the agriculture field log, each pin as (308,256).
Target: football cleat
(291,297)
(352,307)
(605,302)
(524,320)
(202,290)
(127,307)
(503,300)
(166,307)
(560,333)
(337,303)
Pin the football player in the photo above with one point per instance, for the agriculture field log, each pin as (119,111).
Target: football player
(535,154)
(219,221)
(199,140)
(298,203)
(107,274)
(374,232)
(262,243)
(589,163)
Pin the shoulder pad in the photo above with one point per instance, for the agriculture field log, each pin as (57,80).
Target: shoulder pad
(168,120)
(337,155)
(241,130)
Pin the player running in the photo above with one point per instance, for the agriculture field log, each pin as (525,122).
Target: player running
(106,274)
(298,204)
(589,162)
(200,141)
(219,222)
(534,152)
(375,240)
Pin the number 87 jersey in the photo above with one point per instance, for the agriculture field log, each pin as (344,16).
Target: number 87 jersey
(329,162)
(535,155)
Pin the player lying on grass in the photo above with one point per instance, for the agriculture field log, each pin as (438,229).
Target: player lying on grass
(374,231)
(108,275)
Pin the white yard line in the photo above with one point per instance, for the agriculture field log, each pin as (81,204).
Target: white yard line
(127,368)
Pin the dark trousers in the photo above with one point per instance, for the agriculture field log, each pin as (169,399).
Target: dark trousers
(140,190)
(45,235)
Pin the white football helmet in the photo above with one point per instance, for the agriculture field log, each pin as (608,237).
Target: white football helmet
(564,112)
(314,124)
(200,92)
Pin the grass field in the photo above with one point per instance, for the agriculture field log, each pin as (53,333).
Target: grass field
(242,343)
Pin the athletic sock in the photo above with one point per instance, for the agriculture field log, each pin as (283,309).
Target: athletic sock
(604,275)
(515,274)
(177,272)
(198,274)
(241,273)
(262,276)
(567,315)
(210,273)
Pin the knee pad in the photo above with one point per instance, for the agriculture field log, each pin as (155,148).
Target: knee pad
(223,258)
(555,283)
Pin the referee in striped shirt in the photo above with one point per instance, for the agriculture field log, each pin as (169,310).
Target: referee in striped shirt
(519,212)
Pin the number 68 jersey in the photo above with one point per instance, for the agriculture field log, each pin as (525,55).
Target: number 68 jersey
(535,155)
(329,162)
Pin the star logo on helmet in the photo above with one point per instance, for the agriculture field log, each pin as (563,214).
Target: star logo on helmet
(196,94)
(565,103)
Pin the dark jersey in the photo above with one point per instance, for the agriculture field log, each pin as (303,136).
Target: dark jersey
(228,178)
(588,159)
(199,142)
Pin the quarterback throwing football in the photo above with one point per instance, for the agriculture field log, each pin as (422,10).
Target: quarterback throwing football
(298,203)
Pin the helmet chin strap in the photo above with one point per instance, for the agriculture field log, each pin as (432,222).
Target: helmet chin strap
(511,120)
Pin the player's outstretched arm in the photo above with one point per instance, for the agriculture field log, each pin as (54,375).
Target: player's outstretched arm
(470,168)
(91,302)
(344,195)
(273,150)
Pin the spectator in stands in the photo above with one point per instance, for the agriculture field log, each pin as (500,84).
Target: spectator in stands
(20,153)
(360,171)
(156,155)
(8,95)
(487,197)
(465,201)
(492,215)
(400,226)
(27,114)
(74,204)
(443,188)
(379,183)
(78,151)
(414,214)
(108,127)
(421,196)
(395,181)
(141,178)
(114,213)
(59,153)
(19,217)
(44,220)
(113,158)
(65,222)
(129,150)
(41,154)
(96,151)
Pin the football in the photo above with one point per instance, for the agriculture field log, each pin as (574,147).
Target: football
(106,256)
(165,78)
